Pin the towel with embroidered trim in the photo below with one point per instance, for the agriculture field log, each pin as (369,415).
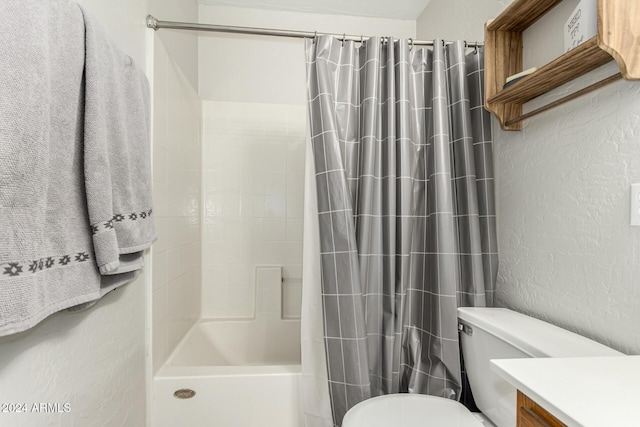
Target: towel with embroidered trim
(47,256)
(117,158)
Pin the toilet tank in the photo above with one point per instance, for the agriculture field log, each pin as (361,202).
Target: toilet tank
(499,333)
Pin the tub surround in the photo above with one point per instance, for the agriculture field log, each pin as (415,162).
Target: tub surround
(252,196)
(244,373)
(177,177)
(265,341)
(580,392)
(266,396)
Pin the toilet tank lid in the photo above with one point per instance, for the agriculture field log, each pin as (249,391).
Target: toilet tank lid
(532,336)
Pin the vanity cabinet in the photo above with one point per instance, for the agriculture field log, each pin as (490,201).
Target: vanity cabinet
(599,391)
(530,414)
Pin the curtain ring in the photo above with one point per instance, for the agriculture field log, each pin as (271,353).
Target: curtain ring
(344,36)
(466,45)
(315,36)
(361,39)
(475,49)
(411,44)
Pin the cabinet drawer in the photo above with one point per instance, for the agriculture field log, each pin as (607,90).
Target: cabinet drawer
(530,414)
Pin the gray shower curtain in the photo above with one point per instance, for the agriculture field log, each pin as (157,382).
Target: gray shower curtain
(404,173)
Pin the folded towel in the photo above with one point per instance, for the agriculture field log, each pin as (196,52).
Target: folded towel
(47,260)
(117,158)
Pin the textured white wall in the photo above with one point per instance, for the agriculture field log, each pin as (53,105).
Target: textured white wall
(543,41)
(457,19)
(567,252)
(176,193)
(93,360)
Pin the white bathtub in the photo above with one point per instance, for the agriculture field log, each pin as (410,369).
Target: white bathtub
(244,374)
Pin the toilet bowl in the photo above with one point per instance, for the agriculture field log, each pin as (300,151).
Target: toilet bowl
(410,410)
(485,334)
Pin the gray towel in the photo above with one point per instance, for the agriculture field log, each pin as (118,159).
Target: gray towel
(117,157)
(47,260)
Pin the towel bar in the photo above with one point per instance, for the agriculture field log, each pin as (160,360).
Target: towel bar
(567,98)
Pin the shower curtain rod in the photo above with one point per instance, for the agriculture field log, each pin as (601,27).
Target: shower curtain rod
(154,24)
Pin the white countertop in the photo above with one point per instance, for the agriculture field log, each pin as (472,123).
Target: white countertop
(581,392)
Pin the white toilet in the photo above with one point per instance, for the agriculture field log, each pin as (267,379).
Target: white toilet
(485,334)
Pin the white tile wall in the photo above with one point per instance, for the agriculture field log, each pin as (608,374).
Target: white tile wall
(253,198)
(177,192)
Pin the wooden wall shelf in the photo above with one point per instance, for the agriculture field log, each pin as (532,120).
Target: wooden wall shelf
(618,30)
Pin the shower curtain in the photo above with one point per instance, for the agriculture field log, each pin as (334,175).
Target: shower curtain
(402,156)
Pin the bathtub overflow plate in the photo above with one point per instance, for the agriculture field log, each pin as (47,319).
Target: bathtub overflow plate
(184,393)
